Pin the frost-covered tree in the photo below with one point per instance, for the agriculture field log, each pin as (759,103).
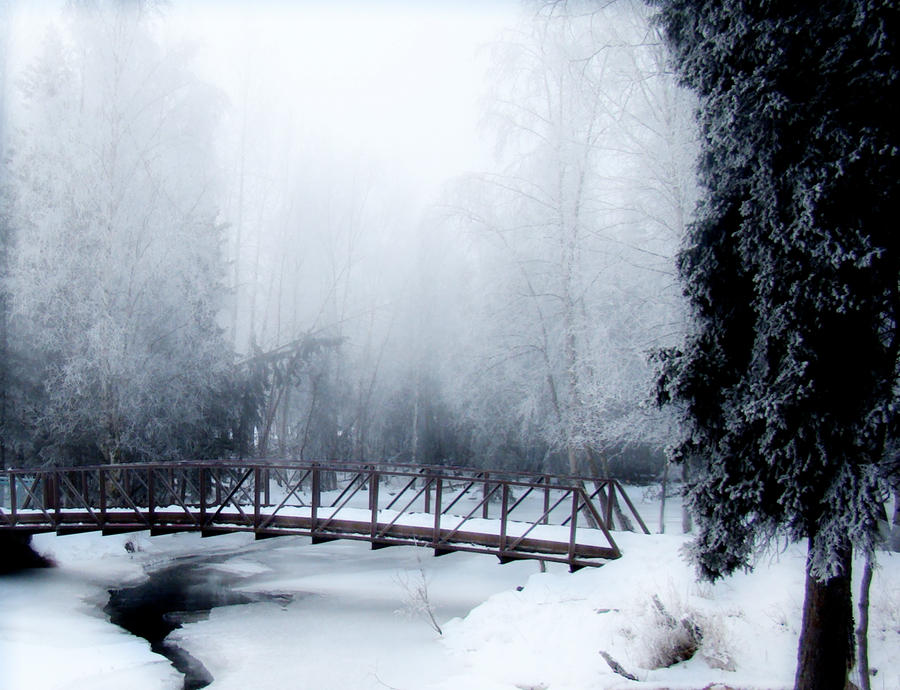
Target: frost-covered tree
(574,231)
(115,273)
(788,382)
(4,241)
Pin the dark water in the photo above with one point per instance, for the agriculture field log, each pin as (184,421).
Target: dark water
(179,593)
(16,554)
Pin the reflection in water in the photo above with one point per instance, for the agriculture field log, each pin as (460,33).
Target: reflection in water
(180,593)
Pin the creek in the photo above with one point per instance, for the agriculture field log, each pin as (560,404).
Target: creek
(183,591)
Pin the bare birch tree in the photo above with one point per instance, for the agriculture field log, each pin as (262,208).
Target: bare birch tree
(580,221)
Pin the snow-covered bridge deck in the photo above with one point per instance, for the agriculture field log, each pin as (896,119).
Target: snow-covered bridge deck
(507,514)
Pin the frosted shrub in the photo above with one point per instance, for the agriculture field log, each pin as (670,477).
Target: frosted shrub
(716,649)
(667,634)
(418,599)
(669,639)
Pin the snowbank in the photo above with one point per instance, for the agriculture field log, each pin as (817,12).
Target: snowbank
(550,634)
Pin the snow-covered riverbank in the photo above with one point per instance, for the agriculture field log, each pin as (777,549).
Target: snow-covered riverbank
(351,622)
(53,633)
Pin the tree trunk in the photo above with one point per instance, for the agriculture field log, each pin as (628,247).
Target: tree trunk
(687,523)
(602,471)
(301,453)
(862,630)
(283,429)
(895,523)
(271,413)
(414,440)
(664,485)
(825,654)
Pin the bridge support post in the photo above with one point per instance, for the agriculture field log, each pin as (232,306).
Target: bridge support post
(610,500)
(151,496)
(202,498)
(315,497)
(101,478)
(484,494)
(546,500)
(13,499)
(175,495)
(257,478)
(374,479)
(47,487)
(573,526)
(504,517)
(84,485)
(438,490)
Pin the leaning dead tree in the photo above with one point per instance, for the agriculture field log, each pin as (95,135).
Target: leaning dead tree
(274,373)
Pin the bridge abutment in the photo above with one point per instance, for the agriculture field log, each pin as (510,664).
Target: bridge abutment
(17,553)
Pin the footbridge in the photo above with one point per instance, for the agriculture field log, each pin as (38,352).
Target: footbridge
(510,515)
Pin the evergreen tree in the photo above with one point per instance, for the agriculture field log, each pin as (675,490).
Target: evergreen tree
(788,383)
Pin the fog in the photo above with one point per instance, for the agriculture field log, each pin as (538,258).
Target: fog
(373,79)
(434,232)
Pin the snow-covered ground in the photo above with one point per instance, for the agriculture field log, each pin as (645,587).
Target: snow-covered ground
(353,622)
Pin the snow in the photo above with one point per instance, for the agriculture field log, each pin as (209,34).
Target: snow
(53,634)
(350,622)
(348,625)
(569,618)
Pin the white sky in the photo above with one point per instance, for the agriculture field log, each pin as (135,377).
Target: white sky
(397,81)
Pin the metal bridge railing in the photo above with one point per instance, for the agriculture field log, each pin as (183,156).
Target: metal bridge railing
(508,514)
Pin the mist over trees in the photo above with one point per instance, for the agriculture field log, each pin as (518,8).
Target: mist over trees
(576,227)
(201,269)
(114,275)
(510,323)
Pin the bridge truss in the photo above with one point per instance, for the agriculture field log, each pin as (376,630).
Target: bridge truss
(510,515)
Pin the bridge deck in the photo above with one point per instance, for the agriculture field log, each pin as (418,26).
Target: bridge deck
(542,517)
